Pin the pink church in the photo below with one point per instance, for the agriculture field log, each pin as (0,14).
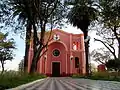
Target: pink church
(65,55)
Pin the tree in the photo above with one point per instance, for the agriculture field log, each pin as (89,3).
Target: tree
(113,64)
(108,40)
(110,18)
(21,10)
(47,13)
(100,55)
(6,49)
(33,14)
(21,66)
(81,15)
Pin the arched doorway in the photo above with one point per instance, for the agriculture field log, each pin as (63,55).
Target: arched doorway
(77,64)
(57,59)
(55,69)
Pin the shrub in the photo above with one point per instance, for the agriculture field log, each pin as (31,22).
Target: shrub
(111,76)
(113,64)
(114,76)
(78,76)
(100,75)
(10,80)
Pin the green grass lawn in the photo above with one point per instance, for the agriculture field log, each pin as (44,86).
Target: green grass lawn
(10,80)
(115,76)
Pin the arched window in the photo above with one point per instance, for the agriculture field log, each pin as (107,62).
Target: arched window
(75,45)
(76,62)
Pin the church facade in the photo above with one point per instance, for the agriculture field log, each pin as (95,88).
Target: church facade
(65,55)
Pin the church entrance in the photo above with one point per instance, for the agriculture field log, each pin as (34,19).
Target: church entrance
(55,69)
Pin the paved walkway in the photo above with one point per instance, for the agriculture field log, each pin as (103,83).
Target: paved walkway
(66,83)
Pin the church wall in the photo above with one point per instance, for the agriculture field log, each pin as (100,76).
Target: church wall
(65,46)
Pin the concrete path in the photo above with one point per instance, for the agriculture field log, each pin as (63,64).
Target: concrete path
(66,83)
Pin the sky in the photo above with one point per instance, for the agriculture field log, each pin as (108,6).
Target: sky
(19,53)
(20,45)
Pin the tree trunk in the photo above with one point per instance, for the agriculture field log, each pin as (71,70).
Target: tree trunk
(2,63)
(119,49)
(35,60)
(118,39)
(33,67)
(28,36)
(86,52)
(37,51)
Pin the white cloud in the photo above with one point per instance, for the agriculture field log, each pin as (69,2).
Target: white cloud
(72,29)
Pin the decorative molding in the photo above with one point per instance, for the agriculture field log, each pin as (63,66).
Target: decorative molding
(56,37)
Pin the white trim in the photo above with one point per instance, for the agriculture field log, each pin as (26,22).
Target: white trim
(56,37)
(52,64)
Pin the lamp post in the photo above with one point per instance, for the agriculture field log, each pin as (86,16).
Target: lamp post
(71,57)
(87,40)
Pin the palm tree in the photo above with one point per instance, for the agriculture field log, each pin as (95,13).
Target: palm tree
(81,15)
(22,10)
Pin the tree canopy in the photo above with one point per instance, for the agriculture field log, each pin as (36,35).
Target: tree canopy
(110,19)
(113,64)
(81,15)
(6,49)
(100,55)
(35,16)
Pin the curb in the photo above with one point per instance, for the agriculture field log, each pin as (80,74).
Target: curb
(26,85)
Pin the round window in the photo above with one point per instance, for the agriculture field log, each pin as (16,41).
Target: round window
(56,52)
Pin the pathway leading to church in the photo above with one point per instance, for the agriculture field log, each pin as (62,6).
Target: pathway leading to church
(66,83)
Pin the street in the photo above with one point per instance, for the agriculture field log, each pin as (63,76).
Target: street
(67,83)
